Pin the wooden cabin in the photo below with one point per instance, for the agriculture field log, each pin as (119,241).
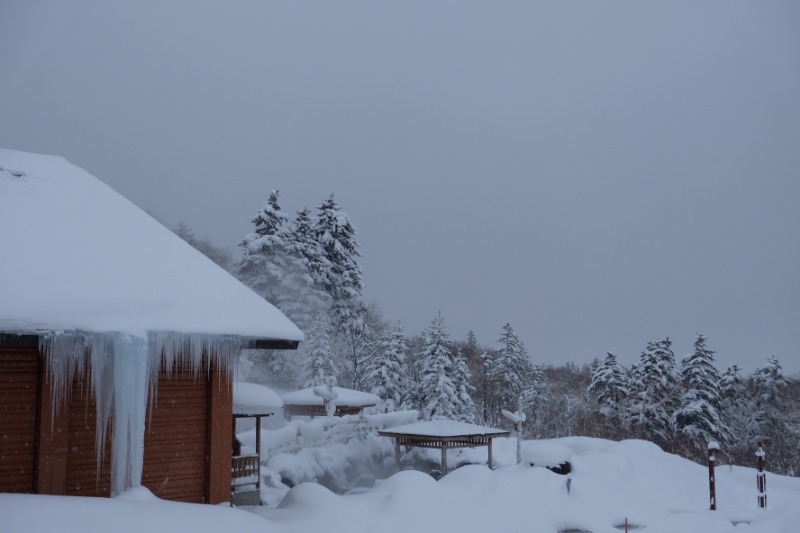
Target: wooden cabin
(99,303)
(307,402)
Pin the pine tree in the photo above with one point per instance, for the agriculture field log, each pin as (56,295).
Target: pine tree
(655,388)
(462,378)
(534,396)
(265,260)
(306,249)
(737,411)
(340,276)
(489,403)
(699,416)
(387,372)
(318,365)
(437,391)
(770,393)
(341,272)
(610,385)
(512,368)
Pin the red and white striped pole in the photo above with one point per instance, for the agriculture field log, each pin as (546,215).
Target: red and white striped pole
(761,477)
(713,449)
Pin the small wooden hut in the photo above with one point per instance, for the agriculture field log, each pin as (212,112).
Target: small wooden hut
(308,402)
(117,340)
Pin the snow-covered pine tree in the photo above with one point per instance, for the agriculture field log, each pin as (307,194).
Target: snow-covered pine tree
(610,385)
(462,380)
(488,402)
(341,272)
(318,365)
(512,368)
(534,397)
(698,418)
(264,261)
(738,413)
(655,389)
(387,372)
(770,393)
(302,242)
(341,278)
(436,389)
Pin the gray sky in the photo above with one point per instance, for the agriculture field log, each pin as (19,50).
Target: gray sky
(598,174)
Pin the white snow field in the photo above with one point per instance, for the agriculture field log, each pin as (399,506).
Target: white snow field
(611,481)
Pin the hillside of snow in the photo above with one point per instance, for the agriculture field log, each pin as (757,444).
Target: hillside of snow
(610,481)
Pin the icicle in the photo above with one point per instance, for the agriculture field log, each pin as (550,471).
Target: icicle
(124,372)
(130,403)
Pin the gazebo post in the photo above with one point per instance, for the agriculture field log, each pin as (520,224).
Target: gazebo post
(258,451)
(444,458)
(490,454)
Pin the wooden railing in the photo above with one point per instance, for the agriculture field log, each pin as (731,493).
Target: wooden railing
(245,470)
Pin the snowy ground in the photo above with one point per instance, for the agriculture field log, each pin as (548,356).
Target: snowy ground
(610,482)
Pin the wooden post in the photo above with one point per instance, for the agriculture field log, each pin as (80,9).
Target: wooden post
(444,458)
(490,454)
(258,451)
(397,450)
(713,449)
(219,421)
(761,477)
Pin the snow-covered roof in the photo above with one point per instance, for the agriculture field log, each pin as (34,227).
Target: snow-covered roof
(253,399)
(76,255)
(444,428)
(348,397)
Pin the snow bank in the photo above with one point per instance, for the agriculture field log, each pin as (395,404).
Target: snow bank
(134,512)
(610,481)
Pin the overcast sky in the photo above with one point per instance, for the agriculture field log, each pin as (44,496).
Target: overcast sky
(598,174)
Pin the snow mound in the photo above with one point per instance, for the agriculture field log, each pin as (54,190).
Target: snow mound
(546,453)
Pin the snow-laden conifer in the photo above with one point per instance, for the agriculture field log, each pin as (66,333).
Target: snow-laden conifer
(699,415)
(437,392)
(610,385)
(462,378)
(318,365)
(511,369)
(341,272)
(655,390)
(264,261)
(387,372)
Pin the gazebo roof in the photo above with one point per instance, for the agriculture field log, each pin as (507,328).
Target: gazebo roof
(443,429)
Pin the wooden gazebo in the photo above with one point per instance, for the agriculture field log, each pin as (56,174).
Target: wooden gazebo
(250,400)
(306,402)
(443,434)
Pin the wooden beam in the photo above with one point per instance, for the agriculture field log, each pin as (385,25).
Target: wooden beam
(444,458)
(219,421)
(490,454)
(397,451)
